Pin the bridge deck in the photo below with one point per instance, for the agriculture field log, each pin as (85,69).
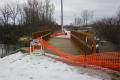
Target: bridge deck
(64,45)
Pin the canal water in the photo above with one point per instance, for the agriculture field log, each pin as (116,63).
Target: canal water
(6,49)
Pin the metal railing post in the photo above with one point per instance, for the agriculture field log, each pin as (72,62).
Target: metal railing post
(42,46)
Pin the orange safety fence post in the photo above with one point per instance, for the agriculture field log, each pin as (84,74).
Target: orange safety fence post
(58,34)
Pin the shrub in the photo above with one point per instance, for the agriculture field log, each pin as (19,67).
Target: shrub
(108,29)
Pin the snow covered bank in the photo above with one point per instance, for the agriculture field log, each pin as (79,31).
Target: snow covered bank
(21,67)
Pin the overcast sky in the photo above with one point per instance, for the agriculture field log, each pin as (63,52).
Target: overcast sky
(73,8)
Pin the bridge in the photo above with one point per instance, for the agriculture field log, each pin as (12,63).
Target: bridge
(77,49)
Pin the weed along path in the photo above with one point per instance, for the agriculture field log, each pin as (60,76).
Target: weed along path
(64,45)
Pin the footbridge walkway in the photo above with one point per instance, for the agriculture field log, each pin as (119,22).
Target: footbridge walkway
(65,45)
(76,48)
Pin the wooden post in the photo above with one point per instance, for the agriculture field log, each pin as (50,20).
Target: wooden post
(33,36)
(94,46)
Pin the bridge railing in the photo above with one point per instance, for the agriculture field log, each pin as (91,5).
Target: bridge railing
(109,61)
(44,34)
(85,41)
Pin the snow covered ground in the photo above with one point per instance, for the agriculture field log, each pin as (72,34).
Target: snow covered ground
(64,36)
(20,66)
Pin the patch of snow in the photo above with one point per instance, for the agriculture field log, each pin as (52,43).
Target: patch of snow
(97,45)
(30,67)
(65,36)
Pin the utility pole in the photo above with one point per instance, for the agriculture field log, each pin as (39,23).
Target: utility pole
(62,15)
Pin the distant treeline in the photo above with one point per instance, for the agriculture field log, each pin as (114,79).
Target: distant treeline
(11,33)
(109,29)
(18,19)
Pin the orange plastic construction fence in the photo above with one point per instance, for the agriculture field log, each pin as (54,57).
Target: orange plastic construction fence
(59,34)
(103,61)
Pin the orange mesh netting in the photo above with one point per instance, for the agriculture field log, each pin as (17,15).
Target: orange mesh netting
(107,60)
(59,34)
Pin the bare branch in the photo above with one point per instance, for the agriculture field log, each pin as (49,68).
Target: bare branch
(5,13)
(86,16)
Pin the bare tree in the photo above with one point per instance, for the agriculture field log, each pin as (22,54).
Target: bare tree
(109,29)
(14,12)
(1,21)
(51,12)
(49,9)
(118,16)
(21,19)
(37,12)
(31,12)
(118,13)
(46,8)
(86,16)
(77,22)
(5,13)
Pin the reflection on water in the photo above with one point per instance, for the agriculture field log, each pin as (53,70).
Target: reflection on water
(7,49)
(2,50)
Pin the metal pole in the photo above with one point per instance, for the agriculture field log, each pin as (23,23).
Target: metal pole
(2,52)
(30,48)
(42,47)
(62,15)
